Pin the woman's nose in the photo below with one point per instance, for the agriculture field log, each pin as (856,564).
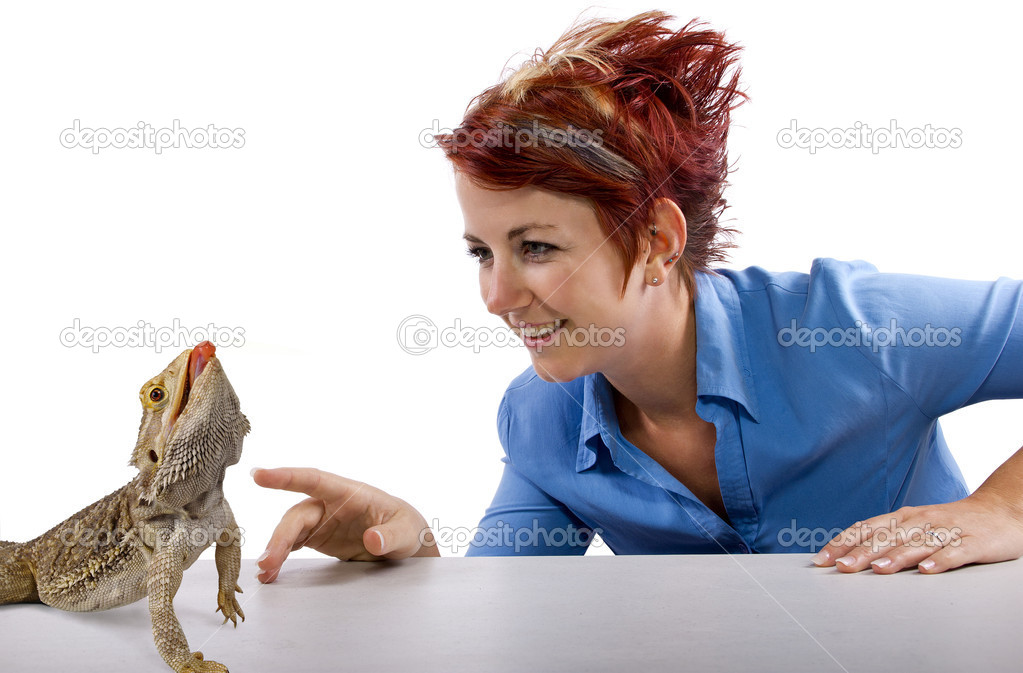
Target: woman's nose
(503,289)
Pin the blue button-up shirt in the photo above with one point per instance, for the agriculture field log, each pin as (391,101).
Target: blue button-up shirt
(825,390)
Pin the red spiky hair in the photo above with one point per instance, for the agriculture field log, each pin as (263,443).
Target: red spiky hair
(621,113)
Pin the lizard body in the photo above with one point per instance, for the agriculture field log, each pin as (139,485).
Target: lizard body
(138,540)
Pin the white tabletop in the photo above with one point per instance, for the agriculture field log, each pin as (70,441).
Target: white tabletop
(637,613)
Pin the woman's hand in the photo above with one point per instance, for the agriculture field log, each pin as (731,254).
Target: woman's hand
(344,518)
(985,527)
(982,528)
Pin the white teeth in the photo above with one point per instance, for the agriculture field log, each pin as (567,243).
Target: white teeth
(541,331)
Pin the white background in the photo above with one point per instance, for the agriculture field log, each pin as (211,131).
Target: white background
(332,224)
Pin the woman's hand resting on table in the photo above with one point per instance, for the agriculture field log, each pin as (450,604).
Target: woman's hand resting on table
(981,528)
(341,517)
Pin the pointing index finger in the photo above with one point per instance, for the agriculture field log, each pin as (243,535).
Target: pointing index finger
(314,483)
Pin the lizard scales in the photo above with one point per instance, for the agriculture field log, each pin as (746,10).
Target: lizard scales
(138,540)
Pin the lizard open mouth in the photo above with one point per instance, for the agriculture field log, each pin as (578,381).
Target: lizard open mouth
(197,361)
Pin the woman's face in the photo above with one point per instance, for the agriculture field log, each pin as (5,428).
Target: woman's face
(547,269)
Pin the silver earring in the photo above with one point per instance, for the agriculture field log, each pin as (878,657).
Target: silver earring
(655,281)
(653,232)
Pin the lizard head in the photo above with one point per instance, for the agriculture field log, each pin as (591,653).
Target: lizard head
(192,429)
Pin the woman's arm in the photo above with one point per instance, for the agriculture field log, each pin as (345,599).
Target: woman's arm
(984,362)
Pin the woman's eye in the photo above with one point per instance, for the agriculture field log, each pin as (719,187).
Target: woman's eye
(531,249)
(481,254)
(536,249)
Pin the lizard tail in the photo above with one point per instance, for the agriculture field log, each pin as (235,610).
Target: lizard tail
(17,583)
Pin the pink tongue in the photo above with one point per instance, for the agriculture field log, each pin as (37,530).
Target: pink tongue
(200,355)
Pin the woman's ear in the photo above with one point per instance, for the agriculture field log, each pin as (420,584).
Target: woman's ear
(667,241)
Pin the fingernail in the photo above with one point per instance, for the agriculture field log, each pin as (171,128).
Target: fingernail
(267,576)
(262,557)
(821,557)
(380,536)
(252,472)
(927,565)
(881,562)
(846,560)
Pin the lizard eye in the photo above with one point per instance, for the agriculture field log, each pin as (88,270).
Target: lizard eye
(157,394)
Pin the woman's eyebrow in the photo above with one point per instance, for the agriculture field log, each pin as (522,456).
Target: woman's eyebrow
(516,232)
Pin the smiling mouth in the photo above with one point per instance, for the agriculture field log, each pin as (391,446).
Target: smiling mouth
(541,334)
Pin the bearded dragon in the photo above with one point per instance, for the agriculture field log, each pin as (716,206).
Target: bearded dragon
(138,540)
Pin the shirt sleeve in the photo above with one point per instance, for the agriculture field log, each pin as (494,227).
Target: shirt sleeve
(947,343)
(522,519)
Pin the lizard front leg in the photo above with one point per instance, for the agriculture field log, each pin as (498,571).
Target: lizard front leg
(229,563)
(163,579)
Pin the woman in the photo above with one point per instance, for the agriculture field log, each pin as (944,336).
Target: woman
(669,407)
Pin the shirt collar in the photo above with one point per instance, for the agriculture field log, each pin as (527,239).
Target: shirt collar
(722,364)
(722,359)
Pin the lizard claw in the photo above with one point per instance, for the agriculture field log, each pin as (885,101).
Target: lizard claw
(199,665)
(228,604)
